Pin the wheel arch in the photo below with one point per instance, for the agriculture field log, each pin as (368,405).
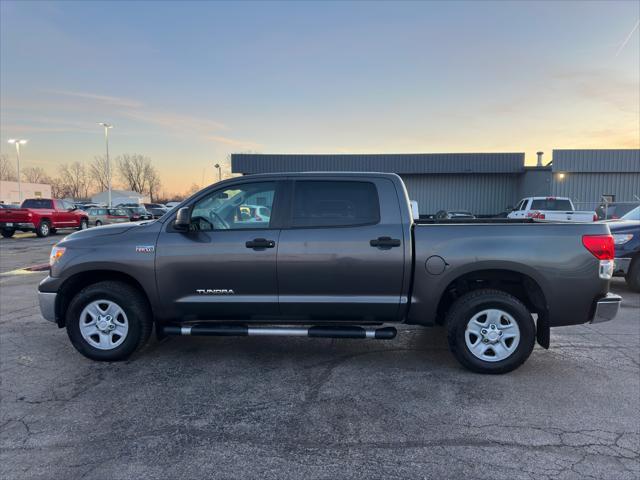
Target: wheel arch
(515,282)
(80,280)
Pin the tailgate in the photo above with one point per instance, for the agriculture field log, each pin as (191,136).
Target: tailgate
(568,216)
(14,215)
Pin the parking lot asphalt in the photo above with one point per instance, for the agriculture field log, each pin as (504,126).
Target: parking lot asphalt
(279,408)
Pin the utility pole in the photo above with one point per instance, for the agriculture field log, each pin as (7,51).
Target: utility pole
(17,142)
(217,165)
(107,126)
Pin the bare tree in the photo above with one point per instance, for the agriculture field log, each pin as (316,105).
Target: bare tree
(139,174)
(7,171)
(58,188)
(154,185)
(34,174)
(133,170)
(99,173)
(75,180)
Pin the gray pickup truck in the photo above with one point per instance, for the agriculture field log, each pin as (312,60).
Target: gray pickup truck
(336,255)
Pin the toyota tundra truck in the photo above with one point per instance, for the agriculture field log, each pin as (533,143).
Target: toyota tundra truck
(339,256)
(44,216)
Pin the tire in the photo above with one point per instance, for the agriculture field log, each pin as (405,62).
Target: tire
(8,232)
(43,229)
(98,223)
(131,324)
(633,275)
(84,224)
(499,349)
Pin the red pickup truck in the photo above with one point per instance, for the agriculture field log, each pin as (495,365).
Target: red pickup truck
(43,216)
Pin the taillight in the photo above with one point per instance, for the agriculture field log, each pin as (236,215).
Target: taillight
(595,217)
(600,246)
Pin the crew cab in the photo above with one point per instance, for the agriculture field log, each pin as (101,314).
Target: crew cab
(557,209)
(43,216)
(340,256)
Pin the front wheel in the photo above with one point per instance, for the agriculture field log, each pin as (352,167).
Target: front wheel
(98,223)
(490,331)
(84,224)
(8,232)
(108,321)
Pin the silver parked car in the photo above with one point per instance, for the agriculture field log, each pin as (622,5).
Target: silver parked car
(105,216)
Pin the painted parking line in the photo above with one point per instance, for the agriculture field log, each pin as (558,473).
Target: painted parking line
(42,267)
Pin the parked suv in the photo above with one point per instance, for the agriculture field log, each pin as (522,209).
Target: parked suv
(106,216)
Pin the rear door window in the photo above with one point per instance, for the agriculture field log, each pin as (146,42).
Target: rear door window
(334,204)
(551,204)
(37,203)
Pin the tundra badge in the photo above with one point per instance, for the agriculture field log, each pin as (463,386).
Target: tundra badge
(214,291)
(145,249)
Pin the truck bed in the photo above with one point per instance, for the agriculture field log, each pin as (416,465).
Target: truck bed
(549,255)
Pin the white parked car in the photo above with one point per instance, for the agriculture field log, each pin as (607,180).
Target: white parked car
(557,209)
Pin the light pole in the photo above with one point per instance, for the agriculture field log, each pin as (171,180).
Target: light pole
(107,126)
(17,142)
(217,165)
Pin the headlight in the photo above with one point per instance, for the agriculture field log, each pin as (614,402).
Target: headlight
(56,254)
(622,238)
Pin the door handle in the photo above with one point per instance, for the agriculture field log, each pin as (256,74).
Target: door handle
(260,243)
(385,242)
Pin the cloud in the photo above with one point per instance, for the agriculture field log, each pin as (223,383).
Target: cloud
(175,121)
(603,85)
(179,124)
(105,99)
(233,142)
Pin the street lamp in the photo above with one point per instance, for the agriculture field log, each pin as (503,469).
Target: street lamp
(217,165)
(107,126)
(17,142)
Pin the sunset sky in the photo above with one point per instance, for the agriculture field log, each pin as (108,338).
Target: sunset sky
(188,83)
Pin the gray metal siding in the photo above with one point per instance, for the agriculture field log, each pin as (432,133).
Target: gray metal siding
(597,160)
(535,182)
(479,194)
(589,187)
(393,163)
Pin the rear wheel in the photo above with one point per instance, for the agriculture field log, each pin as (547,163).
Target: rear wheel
(8,232)
(98,223)
(633,275)
(84,224)
(43,229)
(108,321)
(490,331)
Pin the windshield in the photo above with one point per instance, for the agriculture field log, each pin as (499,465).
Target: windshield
(633,214)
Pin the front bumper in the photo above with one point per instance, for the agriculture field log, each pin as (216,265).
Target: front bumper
(606,308)
(47,302)
(621,266)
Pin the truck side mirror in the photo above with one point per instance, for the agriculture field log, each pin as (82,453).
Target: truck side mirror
(183,219)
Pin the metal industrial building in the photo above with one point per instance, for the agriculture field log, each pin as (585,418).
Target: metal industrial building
(483,183)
